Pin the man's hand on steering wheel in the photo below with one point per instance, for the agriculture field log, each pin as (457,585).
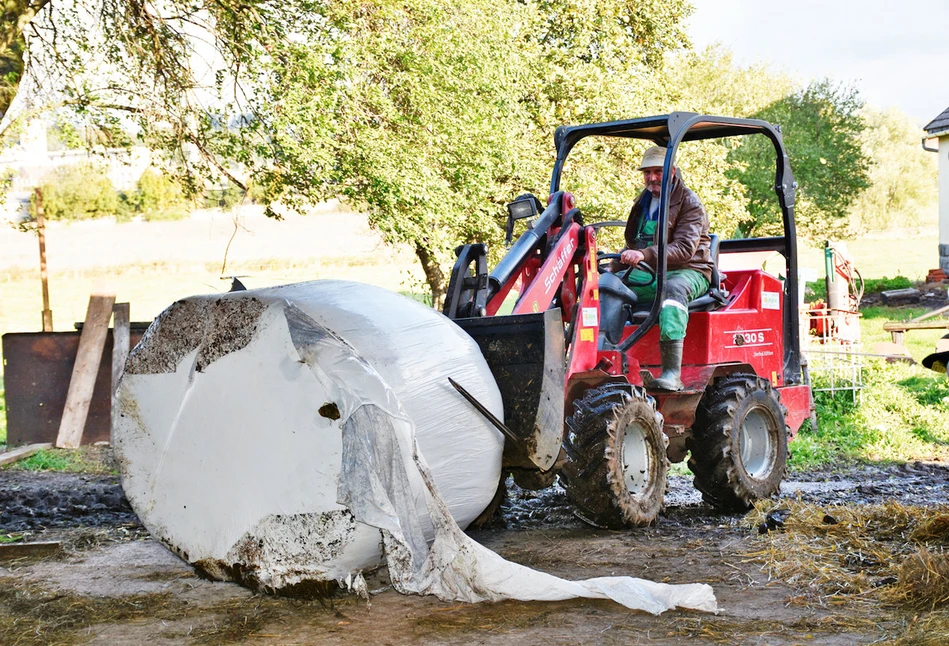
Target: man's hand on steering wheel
(624,274)
(632,257)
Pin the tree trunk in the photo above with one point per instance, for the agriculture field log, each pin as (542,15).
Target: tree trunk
(16,15)
(434,275)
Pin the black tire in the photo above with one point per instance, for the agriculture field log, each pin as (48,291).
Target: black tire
(616,468)
(739,442)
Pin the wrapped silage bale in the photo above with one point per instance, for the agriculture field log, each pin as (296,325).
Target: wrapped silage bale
(295,434)
(238,422)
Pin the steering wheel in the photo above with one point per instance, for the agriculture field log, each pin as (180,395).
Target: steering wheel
(624,275)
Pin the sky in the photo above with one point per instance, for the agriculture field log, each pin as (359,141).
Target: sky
(896,53)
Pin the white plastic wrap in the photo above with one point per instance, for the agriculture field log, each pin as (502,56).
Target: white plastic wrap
(277,436)
(226,457)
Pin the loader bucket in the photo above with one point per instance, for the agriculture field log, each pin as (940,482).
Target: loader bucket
(526,355)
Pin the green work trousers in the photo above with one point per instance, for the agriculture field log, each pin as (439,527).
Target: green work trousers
(682,287)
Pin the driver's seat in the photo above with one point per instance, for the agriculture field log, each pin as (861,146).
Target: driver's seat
(619,304)
(716,296)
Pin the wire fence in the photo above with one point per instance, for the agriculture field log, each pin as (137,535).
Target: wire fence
(831,345)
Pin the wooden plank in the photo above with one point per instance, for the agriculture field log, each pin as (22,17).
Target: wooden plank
(23,550)
(923,317)
(44,274)
(23,452)
(83,379)
(903,326)
(121,333)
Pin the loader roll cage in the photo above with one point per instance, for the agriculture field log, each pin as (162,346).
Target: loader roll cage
(670,131)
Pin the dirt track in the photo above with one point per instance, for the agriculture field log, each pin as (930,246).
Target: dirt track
(114,585)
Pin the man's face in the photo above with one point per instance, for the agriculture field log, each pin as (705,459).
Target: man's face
(652,177)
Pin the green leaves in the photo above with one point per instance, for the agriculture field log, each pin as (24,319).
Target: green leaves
(902,176)
(822,130)
(78,192)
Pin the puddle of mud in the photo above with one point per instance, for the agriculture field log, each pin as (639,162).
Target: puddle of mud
(96,601)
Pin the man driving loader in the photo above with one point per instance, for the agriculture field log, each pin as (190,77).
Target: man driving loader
(688,258)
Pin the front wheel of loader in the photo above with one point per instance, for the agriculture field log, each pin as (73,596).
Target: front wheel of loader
(533,479)
(616,468)
(739,442)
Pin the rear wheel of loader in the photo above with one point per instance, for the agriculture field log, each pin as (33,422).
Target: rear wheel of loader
(739,442)
(616,468)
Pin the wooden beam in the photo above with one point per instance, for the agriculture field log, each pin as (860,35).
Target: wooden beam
(923,317)
(44,274)
(24,550)
(902,326)
(121,332)
(83,379)
(22,452)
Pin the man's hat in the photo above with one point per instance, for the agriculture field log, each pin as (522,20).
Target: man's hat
(654,157)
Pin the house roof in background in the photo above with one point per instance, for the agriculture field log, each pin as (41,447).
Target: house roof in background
(939,124)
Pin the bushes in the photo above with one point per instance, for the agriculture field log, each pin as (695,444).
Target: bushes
(157,197)
(818,288)
(83,191)
(77,192)
(224,197)
(901,414)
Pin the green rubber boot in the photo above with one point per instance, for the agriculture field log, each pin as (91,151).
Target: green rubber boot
(671,376)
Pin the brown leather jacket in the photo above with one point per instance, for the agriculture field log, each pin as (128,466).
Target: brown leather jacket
(687,246)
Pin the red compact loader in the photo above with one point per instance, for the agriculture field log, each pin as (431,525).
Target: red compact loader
(578,340)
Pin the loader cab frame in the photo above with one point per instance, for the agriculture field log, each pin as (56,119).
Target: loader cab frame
(670,131)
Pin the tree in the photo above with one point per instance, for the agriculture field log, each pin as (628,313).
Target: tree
(171,72)
(710,82)
(158,197)
(431,115)
(409,111)
(903,176)
(78,192)
(822,129)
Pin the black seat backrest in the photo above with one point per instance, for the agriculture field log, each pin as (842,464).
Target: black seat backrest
(714,244)
(715,297)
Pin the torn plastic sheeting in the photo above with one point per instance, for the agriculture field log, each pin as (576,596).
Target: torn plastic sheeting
(378,467)
(456,568)
(230,450)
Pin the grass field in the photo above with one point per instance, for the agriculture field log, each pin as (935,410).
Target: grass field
(899,414)
(905,252)
(151,265)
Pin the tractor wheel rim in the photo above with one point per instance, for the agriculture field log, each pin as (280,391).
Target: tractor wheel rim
(637,460)
(756,444)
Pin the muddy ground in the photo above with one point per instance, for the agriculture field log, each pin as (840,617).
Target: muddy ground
(111,584)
